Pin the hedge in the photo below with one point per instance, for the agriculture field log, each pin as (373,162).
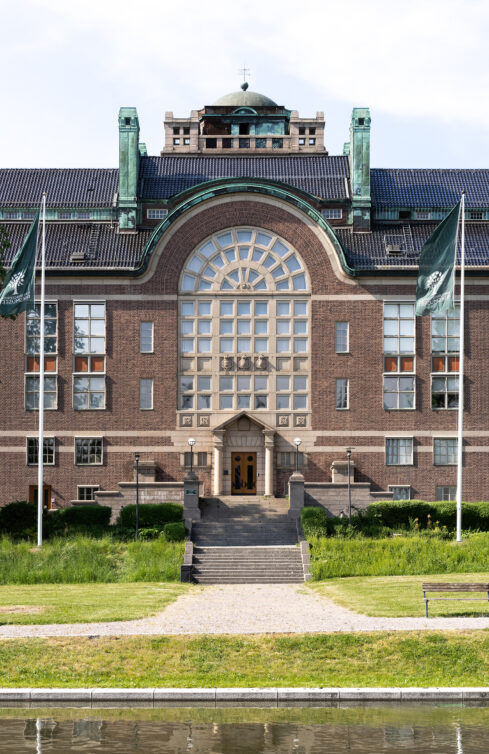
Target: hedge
(83,515)
(151,514)
(400,513)
(18,518)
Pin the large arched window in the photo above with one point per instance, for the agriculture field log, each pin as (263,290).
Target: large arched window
(244,338)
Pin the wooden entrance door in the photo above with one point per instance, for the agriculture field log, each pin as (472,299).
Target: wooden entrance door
(47,501)
(243,474)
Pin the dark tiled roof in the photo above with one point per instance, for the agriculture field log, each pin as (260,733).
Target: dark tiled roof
(320,175)
(64,188)
(428,188)
(367,251)
(100,241)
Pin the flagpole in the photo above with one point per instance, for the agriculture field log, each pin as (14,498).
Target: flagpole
(461,374)
(40,447)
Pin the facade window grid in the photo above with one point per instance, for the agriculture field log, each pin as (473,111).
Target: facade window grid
(199,459)
(398,451)
(445,451)
(445,347)
(446,493)
(342,337)
(287,459)
(88,451)
(399,350)
(89,383)
(342,390)
(156,214)
(238,325)
(86,492)
(400,491)
(32,392)
(33,451)
(145,394)
(146,336)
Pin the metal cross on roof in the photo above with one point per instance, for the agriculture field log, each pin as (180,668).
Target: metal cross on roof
(244,70)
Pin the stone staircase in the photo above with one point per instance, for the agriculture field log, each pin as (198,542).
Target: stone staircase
(246,540)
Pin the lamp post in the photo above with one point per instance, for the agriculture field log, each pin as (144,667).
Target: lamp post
(297,442)
(348,457)
(136,458)
(191,442)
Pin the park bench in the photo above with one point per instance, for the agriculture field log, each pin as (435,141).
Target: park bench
(454,589)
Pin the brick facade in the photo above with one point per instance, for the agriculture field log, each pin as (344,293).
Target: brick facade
(157,434)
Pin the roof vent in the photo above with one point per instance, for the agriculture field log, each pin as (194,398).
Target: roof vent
(394,249)
(77,256)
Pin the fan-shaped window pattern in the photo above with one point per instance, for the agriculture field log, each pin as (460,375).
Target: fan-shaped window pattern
(244,259)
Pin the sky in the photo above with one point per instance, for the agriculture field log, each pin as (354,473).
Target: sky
(422,67)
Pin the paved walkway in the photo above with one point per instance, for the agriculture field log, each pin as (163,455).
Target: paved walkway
(247,609)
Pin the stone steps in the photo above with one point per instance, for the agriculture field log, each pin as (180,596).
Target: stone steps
(247,565)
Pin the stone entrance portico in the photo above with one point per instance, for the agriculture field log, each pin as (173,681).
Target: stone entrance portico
(243,432)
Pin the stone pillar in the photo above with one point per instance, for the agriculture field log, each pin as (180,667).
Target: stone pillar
(296,494)
(191,510)
(269,445)
(218,461)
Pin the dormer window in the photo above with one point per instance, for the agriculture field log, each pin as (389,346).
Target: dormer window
(127,121)
(244,129)
(404,214)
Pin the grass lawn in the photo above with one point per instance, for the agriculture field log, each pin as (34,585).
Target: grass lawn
(370,659)
(400,596)
(81,603)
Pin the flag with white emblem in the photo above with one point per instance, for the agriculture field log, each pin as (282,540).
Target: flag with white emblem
(17,293)
(434,291)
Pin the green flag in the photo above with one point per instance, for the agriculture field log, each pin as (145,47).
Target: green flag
(434,291)
(17,293)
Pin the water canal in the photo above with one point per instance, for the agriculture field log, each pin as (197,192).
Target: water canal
(390,729)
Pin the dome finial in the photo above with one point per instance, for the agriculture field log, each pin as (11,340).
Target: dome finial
(244,86)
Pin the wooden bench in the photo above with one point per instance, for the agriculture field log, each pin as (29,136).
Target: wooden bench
(454,588)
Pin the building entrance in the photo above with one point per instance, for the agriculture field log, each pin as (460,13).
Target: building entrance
(243,479)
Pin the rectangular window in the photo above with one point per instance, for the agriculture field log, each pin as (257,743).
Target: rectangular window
(89,328)
(332,214)
(146,330)
(341,337)
(88,393)
(87,492)
(145,394)
(445,345)
(476,214)
(398,451)
(445,451)
(33,329)
(445,493)
(88,451)
(341,393)
(83,215)
(156,214)
(33,451)
(288,460)
(32,392)
(200,459)
(444,392)
(62,215)
(399,322)
(399,492)
(398,393)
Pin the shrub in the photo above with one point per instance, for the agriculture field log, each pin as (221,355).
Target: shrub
(395,514)
(151,514)
(175,532)
(85,515)
(18,518)
(148,533)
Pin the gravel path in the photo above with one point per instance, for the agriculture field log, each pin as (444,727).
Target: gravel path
(247,609)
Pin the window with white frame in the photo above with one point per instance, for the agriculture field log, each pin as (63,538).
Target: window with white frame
(89,386)
(445,492)
(145,394)
(398,451)
(332,214)
(156,214)
(341,393)
(445,359)
(261,340)
(87,492)
(146,334)
(445,451)
(400,492)
(287,459)
(399,350)
(88,451)
(342,337)
(32,356)
(33,451)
